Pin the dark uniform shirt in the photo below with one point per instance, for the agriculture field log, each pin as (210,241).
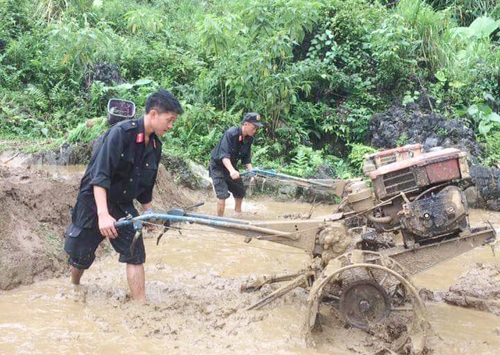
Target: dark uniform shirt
(232,146)
(125,167)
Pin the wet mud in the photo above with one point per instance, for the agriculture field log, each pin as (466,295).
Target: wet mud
(194,276)
(478,288)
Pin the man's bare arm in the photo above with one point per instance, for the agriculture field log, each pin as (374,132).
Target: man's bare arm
(235,175)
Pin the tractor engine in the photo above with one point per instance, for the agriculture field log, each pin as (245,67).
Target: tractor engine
(419,194)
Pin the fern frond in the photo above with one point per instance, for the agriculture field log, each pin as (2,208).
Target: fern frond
(37,96)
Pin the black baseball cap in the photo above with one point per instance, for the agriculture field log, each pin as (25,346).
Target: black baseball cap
(253,118)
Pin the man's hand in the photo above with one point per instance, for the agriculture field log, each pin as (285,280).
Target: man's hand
(149,226)
(235,175)
(107,226)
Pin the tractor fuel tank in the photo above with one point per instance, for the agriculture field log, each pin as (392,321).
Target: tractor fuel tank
(420,172)
(389,156)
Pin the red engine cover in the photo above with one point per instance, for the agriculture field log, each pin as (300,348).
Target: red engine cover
(420,171)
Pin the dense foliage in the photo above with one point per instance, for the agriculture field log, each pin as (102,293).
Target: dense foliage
(316,70)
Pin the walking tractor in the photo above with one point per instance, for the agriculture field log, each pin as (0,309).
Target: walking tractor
(409,214)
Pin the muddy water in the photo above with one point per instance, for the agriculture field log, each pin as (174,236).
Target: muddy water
(195,307)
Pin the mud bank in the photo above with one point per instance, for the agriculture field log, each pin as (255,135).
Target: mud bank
(35,207)
(35,212)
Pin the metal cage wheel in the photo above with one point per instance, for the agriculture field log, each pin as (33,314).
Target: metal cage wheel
(371,292)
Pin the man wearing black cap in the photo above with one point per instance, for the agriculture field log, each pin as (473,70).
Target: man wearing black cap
(234,145)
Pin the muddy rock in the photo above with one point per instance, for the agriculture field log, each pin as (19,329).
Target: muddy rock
(487,181)
(201,173)
(187,173)
(478,288)
(66,154)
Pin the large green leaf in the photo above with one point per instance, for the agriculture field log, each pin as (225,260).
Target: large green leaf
(484,26)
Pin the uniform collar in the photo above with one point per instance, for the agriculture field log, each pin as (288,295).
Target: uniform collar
(141,134)
(140,125)
(244,139)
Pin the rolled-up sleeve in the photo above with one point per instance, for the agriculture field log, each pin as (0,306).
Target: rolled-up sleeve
(107,158)
(225,147)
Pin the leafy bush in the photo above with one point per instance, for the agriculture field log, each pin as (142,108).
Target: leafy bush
(492,145)
(315,70)
(357,156)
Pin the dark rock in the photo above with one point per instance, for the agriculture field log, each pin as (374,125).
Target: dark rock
(415,124)
(426,102)
(487,181)
(430,143)
(182,172)
(493,205)
(312,195)
(105,72)
(66,154)
(324,171)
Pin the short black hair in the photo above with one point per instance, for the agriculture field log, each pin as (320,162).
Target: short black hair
(163,101)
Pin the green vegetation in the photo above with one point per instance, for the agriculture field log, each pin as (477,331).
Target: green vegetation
(316,70)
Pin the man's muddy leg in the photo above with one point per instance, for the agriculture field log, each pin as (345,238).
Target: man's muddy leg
(237,204)
(136,281)
(221,206)
(76,275)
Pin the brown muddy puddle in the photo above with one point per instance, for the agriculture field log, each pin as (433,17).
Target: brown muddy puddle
(195,306)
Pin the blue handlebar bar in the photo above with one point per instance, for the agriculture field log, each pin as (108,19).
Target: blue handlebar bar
(174,216)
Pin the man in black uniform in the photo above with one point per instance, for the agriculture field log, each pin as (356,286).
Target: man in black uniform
(234,145)
(123,167)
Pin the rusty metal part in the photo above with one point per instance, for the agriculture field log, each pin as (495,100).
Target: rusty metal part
(419,172)
(364,303)
(367,268)
(360,196)
(384,219)
(424,257)
(299,281)
(376,160)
